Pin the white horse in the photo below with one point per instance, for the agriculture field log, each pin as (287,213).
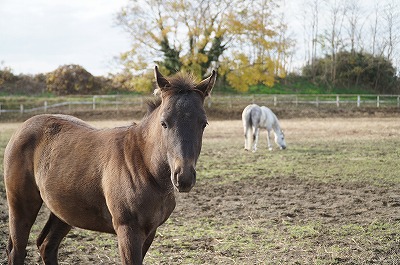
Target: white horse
(255,117)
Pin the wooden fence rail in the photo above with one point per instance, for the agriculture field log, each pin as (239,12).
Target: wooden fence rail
(119,101)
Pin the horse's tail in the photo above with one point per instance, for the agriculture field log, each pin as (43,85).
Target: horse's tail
(254,117)
(250,119)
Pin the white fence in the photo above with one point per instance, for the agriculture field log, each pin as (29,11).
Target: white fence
(231,101)
(342,100)
(95,102)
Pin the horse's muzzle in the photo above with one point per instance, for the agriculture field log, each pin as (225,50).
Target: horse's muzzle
(184,178)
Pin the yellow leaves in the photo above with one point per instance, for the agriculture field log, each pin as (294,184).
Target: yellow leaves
(129,82)
(142,84)
(197,35)
(177,5)
(245,73)
(165,31)
(235,25)
(194,60)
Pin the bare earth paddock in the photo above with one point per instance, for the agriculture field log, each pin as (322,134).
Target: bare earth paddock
(333,197)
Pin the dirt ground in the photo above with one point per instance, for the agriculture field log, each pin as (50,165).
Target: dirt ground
(269,202)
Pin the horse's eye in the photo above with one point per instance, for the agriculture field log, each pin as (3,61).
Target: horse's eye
(164,124)
(205,124)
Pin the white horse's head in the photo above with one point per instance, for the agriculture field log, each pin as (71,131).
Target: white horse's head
(280,139)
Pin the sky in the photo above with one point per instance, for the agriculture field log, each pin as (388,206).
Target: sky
(37,36)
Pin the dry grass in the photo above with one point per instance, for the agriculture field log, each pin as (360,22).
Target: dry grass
(333,197)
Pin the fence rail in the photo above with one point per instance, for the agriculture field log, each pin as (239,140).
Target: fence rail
(342,100)
(119,101)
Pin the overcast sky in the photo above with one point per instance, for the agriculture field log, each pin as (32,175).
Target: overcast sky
(37,36)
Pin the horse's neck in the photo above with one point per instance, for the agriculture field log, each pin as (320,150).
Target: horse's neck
(275,126)
(150,137)
(275,123)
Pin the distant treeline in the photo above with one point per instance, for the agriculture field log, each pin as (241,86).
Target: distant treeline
(352,72)
(67,80)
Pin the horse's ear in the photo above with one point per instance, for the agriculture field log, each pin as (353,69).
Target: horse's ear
(162,82)
(207,84)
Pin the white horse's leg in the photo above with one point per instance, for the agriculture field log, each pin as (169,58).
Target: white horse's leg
(268,140)
(247,135)
(247,138)
(256,130)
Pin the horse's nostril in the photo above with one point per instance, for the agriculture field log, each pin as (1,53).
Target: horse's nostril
(184,181)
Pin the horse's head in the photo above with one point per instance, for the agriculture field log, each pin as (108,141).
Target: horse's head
(280,139)
(182,120)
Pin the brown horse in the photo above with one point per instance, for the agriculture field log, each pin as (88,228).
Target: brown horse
(119,180)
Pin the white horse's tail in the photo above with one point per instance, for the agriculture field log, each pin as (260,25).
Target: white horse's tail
(255,116)
(247,125)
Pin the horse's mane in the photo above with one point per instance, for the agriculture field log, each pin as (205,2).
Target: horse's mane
(180,83)
(152,105)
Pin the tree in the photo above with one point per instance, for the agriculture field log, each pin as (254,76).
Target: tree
(353,15)
(6,75)
(391,14)
(238,37)
(334,34)
(20,84)
(71,79)
(175,34)
(310,22)
(359,69)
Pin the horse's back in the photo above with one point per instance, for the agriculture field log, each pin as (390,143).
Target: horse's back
(270,116)
(31,135)
(35,129)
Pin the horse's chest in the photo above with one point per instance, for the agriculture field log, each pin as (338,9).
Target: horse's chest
(156,210)
(149,208)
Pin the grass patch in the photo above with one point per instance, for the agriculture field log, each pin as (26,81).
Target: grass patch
(324,200)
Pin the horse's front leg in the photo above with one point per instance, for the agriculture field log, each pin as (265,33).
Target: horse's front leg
(147,243)
(268,140)
(130,243)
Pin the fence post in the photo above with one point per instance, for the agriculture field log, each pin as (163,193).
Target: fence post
(398,102)
(358,101)
(377,101)
(94,102)
(297,101)
(45,106)
(317,101)
(337,100)
(275,101)
(0,105)
(21,108)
